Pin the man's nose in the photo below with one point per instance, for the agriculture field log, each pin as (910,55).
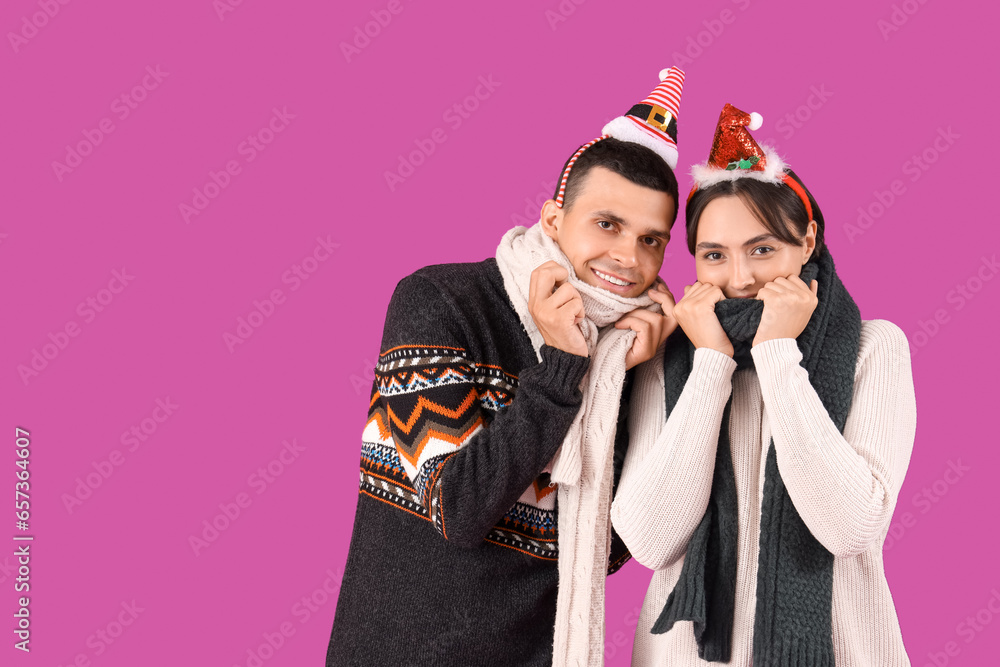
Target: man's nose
(624,251)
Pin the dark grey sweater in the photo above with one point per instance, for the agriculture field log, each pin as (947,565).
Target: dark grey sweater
(453,556)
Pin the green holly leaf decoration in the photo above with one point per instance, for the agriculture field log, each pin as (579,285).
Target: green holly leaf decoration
(743,164)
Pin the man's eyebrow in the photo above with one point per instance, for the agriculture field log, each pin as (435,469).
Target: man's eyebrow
(709,245)
(611,216)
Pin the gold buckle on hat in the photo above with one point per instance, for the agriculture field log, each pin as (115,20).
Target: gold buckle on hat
(656,113)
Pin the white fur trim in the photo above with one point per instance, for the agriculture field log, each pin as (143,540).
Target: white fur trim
(705,175)
(622,128)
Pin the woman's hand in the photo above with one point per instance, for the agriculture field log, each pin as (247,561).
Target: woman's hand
(695,313)
(788,305)
(651,328)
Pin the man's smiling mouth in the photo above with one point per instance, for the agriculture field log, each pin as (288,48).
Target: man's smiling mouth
(611,279)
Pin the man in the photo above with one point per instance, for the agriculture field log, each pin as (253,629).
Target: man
(484,373)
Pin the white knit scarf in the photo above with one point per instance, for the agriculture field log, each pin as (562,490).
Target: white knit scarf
(583,467)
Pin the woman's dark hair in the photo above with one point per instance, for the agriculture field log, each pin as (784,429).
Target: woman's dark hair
(633,161)
(776,206)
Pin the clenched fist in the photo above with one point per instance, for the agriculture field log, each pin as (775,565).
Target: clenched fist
(695,314)
(651,328)
(557,308)
(788,305)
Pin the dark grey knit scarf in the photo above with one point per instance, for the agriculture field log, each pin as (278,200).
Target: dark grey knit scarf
(793,622)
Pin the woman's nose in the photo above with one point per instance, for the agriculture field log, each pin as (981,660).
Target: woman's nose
(740,275)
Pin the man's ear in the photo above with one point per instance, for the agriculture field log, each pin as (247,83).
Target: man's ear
(552,217)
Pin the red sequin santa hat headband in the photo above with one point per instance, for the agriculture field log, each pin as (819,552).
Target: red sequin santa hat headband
(735,155)
(651,123)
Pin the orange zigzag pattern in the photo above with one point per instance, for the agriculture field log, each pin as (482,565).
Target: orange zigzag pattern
(407,426)
(436,408)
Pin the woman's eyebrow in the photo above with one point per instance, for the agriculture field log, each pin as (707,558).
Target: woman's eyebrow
(762,237)
(710,245)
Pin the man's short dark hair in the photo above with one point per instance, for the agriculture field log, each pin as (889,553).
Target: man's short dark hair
(630,160)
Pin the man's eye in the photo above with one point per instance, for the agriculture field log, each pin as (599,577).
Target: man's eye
(604,224)
(651,242)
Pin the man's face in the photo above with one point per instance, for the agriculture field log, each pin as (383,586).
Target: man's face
(615,232)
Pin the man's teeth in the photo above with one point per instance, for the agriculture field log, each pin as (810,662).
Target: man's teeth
(612,279)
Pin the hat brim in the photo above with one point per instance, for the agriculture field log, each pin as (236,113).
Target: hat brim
(705,175)
(625,128)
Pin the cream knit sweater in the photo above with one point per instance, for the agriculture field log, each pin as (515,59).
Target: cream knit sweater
(843,486)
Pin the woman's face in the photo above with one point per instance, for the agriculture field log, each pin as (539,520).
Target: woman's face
(738,254)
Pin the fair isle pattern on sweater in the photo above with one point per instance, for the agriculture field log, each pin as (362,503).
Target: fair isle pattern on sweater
(426,403)
(405,579)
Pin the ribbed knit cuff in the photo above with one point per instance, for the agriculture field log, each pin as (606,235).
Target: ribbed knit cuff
(712,366)
(775,353)
(559,373)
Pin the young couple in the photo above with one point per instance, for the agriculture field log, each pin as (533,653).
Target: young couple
(540,416)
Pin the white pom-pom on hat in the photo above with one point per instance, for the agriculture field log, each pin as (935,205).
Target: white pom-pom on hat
(756,121)
(664,73)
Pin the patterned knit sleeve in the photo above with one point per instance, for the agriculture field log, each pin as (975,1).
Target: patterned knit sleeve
(667,477)
(844,486)
(468,449)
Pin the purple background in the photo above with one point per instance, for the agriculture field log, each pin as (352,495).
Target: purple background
(851,93)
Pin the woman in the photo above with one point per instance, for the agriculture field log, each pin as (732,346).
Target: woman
(764,499)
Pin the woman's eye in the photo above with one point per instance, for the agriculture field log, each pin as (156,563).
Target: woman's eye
(712,256)
(762,250)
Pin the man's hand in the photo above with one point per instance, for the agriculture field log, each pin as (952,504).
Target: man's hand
(557,309)
(788,305)
(651,328)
